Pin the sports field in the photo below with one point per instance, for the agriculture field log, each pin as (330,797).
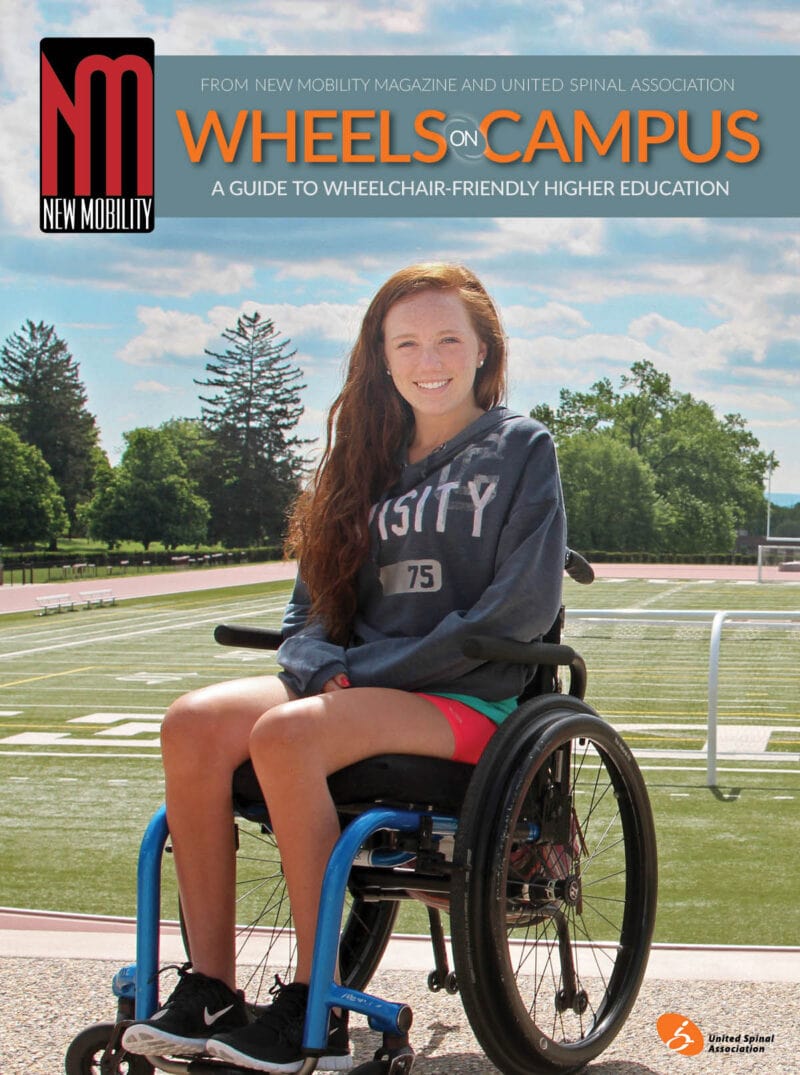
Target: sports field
(82,694)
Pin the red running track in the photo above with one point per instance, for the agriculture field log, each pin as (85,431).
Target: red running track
(19,598)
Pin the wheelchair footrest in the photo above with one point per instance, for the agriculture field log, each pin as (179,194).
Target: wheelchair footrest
(395,1057)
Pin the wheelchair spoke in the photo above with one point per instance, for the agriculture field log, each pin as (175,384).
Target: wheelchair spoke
(265,936)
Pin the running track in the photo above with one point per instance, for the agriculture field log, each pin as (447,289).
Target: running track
(18,598)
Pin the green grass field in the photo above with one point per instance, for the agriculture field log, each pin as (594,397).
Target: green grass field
(81,695)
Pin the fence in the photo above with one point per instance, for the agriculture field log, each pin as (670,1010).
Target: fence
(716,620)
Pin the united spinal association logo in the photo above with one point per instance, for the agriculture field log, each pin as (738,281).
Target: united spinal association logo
(680,1034)
(96,134)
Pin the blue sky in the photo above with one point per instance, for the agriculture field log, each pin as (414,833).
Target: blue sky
(716,303)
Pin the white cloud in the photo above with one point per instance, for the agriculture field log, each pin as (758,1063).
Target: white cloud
(777,377)
(336,322)
(575,363)
(775,24)
(739,398)
(283,26)
(158,272)
(177,273)
(347,270)
(156,388)
(174,333)
(20,31)
(503,237)
(552,317)
(166,332)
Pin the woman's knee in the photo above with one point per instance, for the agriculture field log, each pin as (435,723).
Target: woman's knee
(211,726)
(284,732)
(186,725)
(198,731)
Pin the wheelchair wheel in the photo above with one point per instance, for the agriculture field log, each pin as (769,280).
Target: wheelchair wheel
(86,1050)
(554,889)
(267,936)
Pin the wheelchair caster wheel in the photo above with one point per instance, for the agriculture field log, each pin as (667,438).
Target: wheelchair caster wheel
(86,1054)
(449,982)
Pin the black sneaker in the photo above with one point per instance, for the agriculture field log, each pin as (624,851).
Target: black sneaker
(274,1042)
(198,1007)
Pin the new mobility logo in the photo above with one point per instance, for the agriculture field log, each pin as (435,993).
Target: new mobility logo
(96,134)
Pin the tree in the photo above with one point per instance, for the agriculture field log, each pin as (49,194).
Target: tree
(31,507)
(43,400)
(785,521)
(711,472)
(257,463)
(149,497)
(707,472)
(609,493)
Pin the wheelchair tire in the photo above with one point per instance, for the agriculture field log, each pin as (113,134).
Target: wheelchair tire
(266,929)
(551,933)
(86,1050)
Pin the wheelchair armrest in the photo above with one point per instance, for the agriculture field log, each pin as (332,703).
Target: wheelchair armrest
(486,648)
(578,568)
(249,637)
(480,647)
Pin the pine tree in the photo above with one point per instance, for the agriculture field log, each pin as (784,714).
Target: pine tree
(251,416)
(43,400)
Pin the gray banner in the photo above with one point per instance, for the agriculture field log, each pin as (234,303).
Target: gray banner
(456,136)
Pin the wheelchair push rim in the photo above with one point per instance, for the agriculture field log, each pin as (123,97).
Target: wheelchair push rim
(551,931)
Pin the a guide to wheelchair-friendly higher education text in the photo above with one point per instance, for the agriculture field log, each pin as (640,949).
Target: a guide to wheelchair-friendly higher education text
(625,181)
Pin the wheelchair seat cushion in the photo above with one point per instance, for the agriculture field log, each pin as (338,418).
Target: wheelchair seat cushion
(405,780)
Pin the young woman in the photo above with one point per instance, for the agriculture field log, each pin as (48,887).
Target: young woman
(436,514)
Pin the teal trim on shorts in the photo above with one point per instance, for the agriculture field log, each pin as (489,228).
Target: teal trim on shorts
(495,711)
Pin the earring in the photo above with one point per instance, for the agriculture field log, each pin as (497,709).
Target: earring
(388,372)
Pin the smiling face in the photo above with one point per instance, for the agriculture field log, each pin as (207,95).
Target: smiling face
(433,353)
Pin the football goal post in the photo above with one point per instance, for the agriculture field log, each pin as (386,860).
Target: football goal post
(776,562)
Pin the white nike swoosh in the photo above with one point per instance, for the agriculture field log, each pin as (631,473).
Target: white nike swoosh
(210,1019)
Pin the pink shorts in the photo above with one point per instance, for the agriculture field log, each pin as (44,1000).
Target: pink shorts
(471,730)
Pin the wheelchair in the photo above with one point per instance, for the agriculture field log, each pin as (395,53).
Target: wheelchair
(543,855)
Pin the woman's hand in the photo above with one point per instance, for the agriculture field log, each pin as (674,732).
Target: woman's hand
(338,683)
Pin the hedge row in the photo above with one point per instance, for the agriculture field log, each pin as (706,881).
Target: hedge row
(597,556)
(159,558)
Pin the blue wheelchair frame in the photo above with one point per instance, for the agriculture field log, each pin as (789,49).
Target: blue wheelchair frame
(141,982)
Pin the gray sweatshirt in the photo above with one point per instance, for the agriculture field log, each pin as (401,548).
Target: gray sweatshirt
(470,541)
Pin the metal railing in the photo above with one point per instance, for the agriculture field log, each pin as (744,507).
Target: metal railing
(717,621)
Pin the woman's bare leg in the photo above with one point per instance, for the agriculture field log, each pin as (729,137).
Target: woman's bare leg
(204,738)
(294,747)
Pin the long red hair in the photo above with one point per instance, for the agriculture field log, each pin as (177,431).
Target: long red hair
(368,425)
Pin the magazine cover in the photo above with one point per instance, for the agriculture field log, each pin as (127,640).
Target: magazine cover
(198,205)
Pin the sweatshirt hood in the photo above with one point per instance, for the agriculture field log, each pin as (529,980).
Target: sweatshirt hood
(415,472)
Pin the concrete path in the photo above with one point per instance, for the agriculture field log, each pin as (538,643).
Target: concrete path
(57,935)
